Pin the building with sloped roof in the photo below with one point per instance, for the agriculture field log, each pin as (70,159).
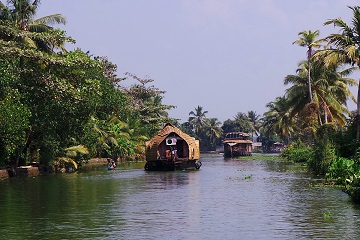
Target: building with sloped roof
(237,144)
(172,149)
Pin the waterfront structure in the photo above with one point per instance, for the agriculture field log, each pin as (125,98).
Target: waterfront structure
(172,149)
(237,144)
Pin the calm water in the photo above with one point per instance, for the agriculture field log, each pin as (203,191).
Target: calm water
(224,200)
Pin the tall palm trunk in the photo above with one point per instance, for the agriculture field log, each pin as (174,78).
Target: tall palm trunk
(309,79)
(357,119)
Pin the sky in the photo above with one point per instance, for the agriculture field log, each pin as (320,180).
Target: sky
(227,56)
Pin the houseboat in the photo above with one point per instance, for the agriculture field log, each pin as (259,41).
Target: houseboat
(171,149)
(237,144)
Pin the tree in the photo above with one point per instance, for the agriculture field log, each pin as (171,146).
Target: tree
(243,122)
(21,13)
(254,119)
(308,39)
(197,119)
(60,92)
(344,47)
(278,120)
(14,121)
(213,131)
(146,104)
(330,90)
(240,123)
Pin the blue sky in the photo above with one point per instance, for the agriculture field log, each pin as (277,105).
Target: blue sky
(227,56)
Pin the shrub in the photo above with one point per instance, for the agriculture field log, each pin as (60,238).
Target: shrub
(324,155)
(353,188)
(297,152)
(340,170)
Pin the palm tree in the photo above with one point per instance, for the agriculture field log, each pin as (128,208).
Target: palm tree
(330,90)
(344,47)
(277,120)
(297,94)
(21,14)
(197,118)
(308,39)
(117,138)
(214,130)
(73,156)
(243,122)
(254,119)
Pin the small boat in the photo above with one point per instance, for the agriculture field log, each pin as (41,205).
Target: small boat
(171,149)
(111,164)
(237,144)
(111,167)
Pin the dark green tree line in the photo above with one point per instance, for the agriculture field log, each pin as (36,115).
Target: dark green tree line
(322,132)
(53,102)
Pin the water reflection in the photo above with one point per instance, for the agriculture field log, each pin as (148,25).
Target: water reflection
(226,199)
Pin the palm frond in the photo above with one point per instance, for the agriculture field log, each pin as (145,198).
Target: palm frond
(77,149)
(51,20)
(38,28)
(68,160)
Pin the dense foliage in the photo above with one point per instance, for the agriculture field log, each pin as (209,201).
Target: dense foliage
(327,133)
(59,107)
(52,100)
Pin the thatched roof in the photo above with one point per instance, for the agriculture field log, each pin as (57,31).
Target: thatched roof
(152,144)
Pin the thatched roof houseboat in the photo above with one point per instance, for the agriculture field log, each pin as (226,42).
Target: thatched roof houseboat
(237,144)
(171,149)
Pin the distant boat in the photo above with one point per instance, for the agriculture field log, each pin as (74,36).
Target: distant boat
(111,164)
(111,168)
(237,144)
(171,149)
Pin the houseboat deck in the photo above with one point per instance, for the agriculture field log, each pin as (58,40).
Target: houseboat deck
(237,144)
(172,149)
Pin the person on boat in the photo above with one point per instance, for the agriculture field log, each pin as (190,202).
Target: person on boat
(111,164)
(174,152)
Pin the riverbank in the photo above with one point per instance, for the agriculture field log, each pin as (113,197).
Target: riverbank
(23,171)
(261,156)
(35,170)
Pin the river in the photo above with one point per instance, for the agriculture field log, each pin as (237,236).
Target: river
(225,199)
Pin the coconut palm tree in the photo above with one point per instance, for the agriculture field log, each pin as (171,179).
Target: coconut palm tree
(197,118)
(213,130)
(117,138)
(278,120)
(344,47)
(72,156)
(21,14)
(254,119)
(243,122)
(308,39)
(330,91)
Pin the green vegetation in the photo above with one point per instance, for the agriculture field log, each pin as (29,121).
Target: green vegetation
(297,152)
(53,101)
(60,107)
(312,117)
(266,157)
